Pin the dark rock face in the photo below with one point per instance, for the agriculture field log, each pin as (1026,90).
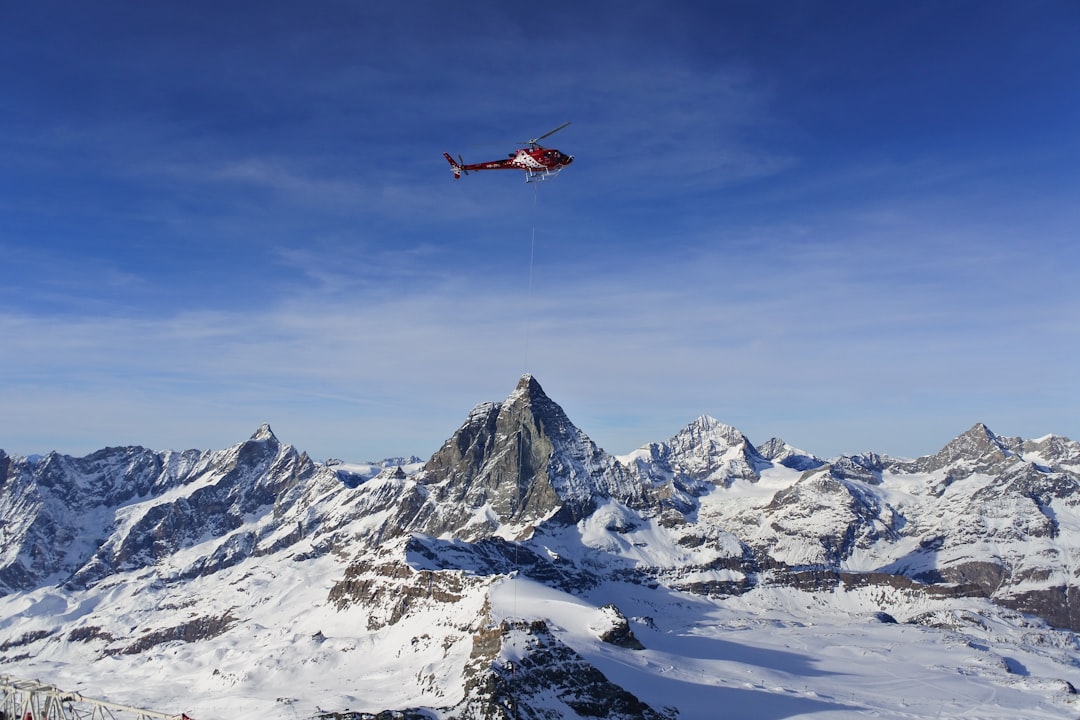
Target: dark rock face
(1054,453)
(777,451)
(190,631)
(976,451)
(619,633)
(492,556)
(499,459)
(549,680)
(1059,606)
(523,460)
(864,468)
(393,588)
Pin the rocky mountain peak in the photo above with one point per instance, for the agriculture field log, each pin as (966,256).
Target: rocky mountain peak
(712,430)
(529,407)
(774,448)
(778,451)
(1054,451)
(708,449)
(527,385)
(978,450)
(519,461)
(264,433)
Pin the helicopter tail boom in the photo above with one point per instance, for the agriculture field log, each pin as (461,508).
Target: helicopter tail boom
(456,167)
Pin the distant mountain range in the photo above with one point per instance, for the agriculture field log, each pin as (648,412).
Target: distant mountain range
(150,565)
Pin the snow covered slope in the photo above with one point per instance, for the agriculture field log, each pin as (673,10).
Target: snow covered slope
(523,572)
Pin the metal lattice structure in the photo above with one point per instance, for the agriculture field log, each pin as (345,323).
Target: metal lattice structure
(34,700)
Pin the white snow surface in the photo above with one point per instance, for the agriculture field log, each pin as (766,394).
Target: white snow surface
(771,653)
(786,654)
(774,652)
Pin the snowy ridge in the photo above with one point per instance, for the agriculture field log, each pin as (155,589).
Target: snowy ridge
(705,450)
(524,572)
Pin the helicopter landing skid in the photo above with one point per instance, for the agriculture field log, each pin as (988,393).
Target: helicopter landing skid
(538,175)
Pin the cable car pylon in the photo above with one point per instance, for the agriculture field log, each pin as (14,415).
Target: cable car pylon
(35,700)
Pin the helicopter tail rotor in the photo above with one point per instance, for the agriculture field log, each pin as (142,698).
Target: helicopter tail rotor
(456,166)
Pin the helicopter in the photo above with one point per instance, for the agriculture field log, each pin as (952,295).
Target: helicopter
(539,163)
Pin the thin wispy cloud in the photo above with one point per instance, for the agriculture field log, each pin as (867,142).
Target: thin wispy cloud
(214,218)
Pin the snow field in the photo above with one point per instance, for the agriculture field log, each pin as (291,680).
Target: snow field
(782,653)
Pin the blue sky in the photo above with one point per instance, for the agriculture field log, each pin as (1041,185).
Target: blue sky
(852,225)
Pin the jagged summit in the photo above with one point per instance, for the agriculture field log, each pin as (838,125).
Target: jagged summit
(1054,451)
(705,450)
(778,451)
(977,450)
(527,384)
(264,433)
(517,462)
(711,429)
(528,409)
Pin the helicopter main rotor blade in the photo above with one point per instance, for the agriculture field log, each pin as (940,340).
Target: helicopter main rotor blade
(550,132)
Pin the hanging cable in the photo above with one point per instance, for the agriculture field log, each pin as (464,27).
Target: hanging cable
(532,253)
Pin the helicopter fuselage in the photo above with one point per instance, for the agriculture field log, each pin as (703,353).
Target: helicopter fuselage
(537,161)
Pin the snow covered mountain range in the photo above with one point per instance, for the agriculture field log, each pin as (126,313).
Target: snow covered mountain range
(523,572)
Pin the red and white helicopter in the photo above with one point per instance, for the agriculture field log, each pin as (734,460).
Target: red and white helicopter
(539,163)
